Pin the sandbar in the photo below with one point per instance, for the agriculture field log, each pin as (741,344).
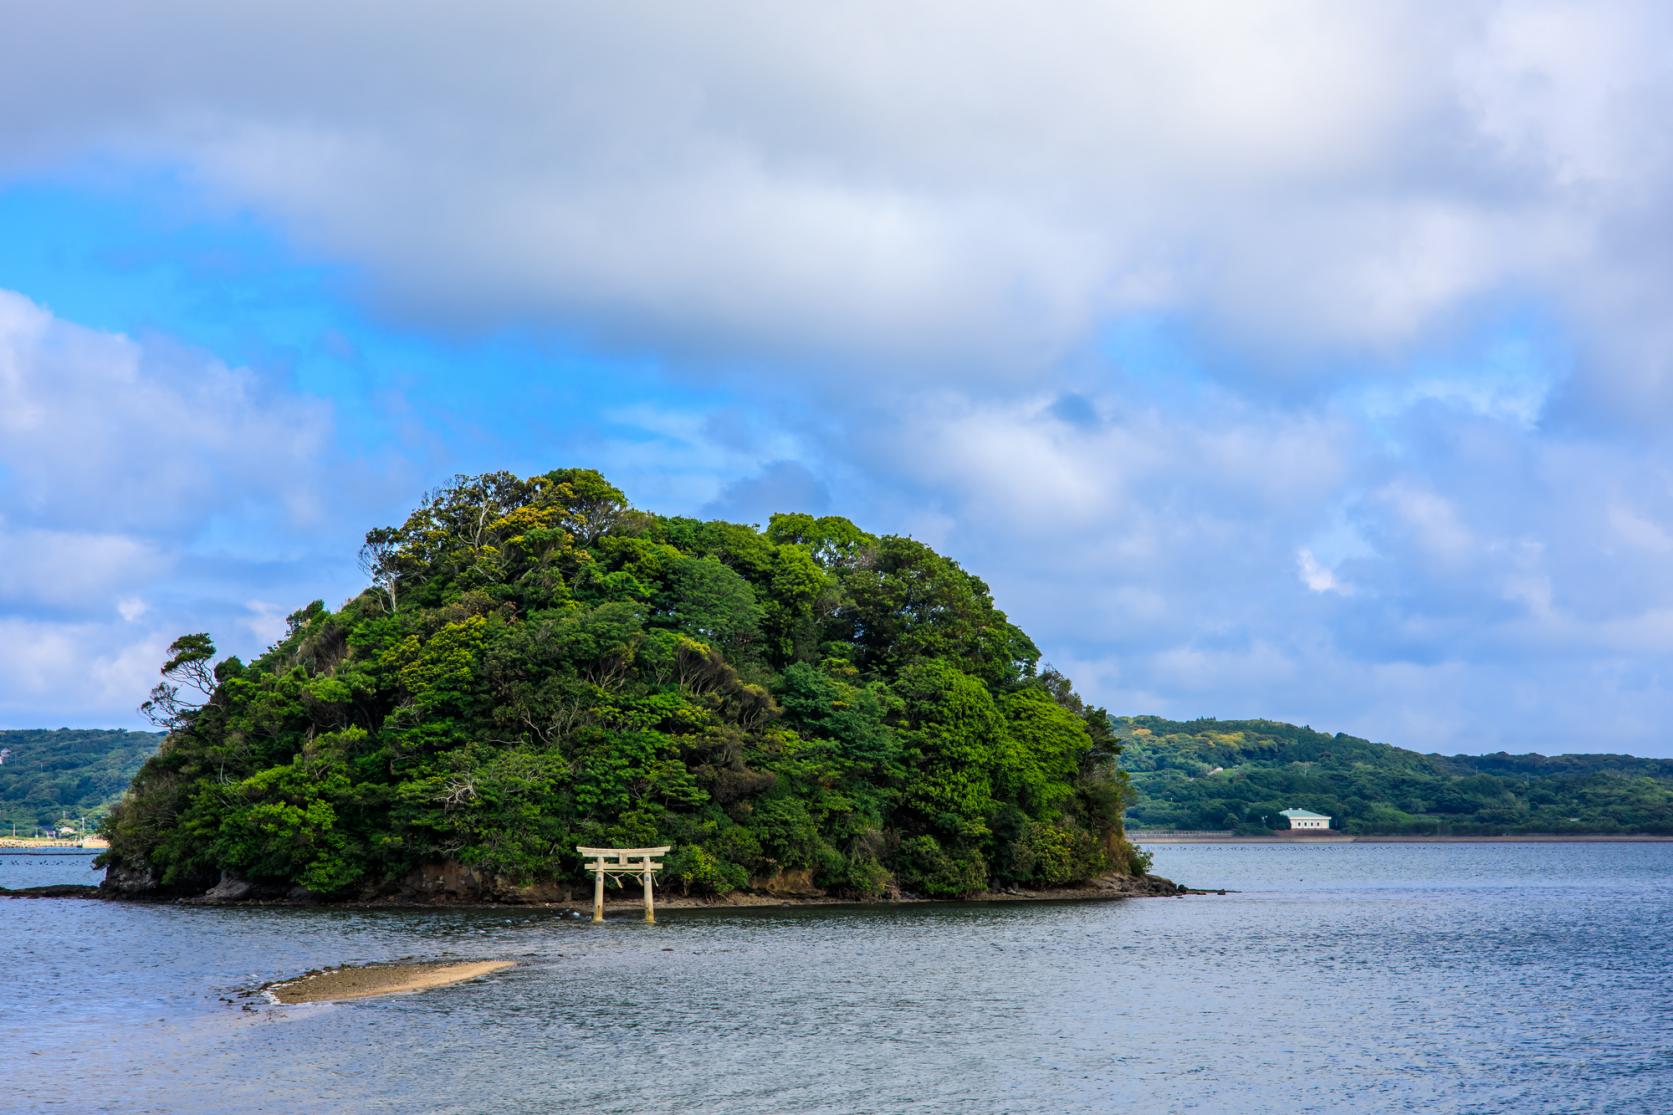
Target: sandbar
(335,984)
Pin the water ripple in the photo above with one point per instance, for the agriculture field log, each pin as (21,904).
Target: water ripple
(1447,978)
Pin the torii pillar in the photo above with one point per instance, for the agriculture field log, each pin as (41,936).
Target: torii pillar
(624,861)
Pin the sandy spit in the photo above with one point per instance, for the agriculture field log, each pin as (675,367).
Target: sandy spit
(335,984)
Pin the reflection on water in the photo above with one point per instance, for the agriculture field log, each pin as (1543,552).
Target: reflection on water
(1340,977)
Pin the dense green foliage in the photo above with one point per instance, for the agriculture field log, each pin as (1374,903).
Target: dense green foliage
(1238,774)
(67,772)
(536,665)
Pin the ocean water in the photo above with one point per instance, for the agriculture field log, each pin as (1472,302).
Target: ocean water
(1345,977)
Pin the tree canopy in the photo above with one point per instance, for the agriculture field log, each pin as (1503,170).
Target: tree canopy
(535,665)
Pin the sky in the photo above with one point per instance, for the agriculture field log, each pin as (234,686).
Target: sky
(1305,361)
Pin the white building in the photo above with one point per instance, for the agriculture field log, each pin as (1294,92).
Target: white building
(1302,819)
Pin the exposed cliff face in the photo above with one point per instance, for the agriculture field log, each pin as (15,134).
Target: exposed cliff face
(787,884)
(451,881)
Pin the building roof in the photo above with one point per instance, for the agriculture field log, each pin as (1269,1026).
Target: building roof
(1292,813)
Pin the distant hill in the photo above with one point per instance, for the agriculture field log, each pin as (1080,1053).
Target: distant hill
(1238,774)
(67,772)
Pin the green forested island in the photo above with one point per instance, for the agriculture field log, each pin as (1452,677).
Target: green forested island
(535,665)
(1238,774)
(66,772)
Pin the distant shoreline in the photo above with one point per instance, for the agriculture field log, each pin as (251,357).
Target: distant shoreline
(36,843)
(1350,838)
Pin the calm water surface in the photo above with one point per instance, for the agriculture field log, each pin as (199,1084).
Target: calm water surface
(1350,977)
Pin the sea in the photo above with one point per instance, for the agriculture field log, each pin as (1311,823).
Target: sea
(1329,978)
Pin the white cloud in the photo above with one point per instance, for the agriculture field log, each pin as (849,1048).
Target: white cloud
(74,674)
(971,193)
(1190,671)
(265,620)
(932,227)
(1471,583)
(1633,527)
(75,570)
(1430,520)
(1317,577)
(97,428)
(125,463)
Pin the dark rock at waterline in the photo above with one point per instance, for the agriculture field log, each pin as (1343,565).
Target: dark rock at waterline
(1107,886)
(56,890)
(230,889)
(1154,885)
(129,880)
(453,883)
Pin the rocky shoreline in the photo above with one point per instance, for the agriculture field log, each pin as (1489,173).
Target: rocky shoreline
(231,891)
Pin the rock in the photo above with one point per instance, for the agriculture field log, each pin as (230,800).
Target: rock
(230,889)
(129,879)
(502,889)
(443,881)
(54,890)
(797,883)
(451,881)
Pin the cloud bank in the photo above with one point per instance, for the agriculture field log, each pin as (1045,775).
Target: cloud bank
(951,190)
(1296,359)
(125,466)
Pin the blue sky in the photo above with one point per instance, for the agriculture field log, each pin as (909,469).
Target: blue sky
(1306,361)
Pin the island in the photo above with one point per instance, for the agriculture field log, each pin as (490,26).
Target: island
(801,712)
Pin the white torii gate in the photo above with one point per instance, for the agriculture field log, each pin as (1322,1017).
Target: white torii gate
(624,861)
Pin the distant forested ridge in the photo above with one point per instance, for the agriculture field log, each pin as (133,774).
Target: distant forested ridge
(1238,774)
(66,772)
(536,665)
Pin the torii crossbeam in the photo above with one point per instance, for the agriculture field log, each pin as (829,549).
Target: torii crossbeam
(624,861)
